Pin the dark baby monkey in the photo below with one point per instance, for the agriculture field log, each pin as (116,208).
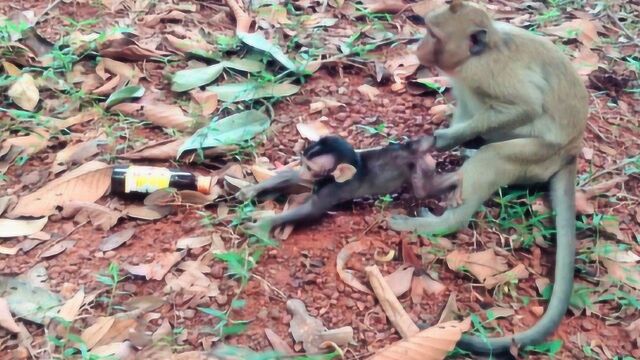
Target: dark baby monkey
(518,93)
(339,174)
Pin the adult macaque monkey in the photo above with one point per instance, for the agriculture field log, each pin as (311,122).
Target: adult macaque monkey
(519,93)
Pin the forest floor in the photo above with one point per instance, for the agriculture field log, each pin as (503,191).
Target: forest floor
(87,272)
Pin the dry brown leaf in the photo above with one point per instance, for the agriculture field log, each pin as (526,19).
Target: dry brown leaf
(7,202)
(207,100)
(71,308)
(170,15)
(162,332)
(369,91)
(116,239)
(160,150)
(482,264)
(101,217)
(88,183)
(13,228)
(169,116)
(517,273)
(193,242)
(117,350)
(123,328)
(313,130)
(190,197)
(400,280)
(147,212)
(4,250)
(108,87)
(583,29)
(157,269)
(6,320)
(11,69)
(402,65)
(433,343)
(450,309)
(80,118)
(612,226)
(95,332)
(324,103)
(586,61)
(57,248)
(30,144)
(386,6)
(341,260)
(424,7)
(77,153)
(192,43)
(627,273)
(24,92)
(127,49)
(277,343)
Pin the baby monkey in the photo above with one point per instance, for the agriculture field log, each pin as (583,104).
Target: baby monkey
(339,174)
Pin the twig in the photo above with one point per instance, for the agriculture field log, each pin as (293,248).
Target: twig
(243,20)
(389,302)
(53,243)
(51,6)
(278,292)
(633,39)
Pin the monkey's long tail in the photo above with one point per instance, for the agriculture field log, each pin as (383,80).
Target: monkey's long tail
(563,201)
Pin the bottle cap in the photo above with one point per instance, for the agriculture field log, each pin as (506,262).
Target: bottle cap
(203,184)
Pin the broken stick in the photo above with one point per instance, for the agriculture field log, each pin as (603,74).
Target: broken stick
(390,304)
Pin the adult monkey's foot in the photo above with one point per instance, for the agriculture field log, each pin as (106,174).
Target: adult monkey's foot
(427,223)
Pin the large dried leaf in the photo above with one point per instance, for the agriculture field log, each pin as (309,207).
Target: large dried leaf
(6,320)
(231,130)
(433,343)
(583,29)
(313,130)
(517,273)
(29,301)
(341,260)
(157,269)
(58,248)
(95,332)
(114,240)
(24,92)
(88,182)
(147,212)
(482,264)
(71,308)
(400,280)
(251,90)
(28,144)
(627,273)
(77,153)
(169,116)
(159,150)
(101,217)
(127,49)
(207,101)
(13,228)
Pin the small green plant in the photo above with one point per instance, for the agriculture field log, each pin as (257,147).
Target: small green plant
(111,279)
(549,348)
(383,201)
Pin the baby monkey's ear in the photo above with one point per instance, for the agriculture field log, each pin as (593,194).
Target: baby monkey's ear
(344,172)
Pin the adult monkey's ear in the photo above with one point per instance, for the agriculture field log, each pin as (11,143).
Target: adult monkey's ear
(343,172)
(455,5)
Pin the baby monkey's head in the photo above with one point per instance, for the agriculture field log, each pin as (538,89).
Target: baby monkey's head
(329,156)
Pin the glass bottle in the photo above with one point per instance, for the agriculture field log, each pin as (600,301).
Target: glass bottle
(135,179)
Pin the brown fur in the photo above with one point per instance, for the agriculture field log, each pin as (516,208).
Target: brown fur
(521,95)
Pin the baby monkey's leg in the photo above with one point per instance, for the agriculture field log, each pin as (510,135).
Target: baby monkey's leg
(494,165)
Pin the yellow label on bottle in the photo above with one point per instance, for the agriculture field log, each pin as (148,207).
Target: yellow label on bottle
(146,179)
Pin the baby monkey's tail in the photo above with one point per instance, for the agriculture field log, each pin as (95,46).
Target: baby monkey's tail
(563,201)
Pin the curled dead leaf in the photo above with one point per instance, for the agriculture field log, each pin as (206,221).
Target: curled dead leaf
(341,260)
(169,116)
(156,270)
(87,183)
(24,92)
(400,280)
(433,343)
(482,264)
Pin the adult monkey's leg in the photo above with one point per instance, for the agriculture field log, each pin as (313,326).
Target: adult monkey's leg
(563,201)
